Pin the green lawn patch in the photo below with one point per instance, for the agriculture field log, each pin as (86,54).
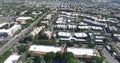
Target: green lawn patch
(5,56)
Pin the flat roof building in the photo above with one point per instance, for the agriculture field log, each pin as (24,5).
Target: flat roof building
(64,34)
(80,34)
(11,30)
(90,27)
(12,58)
(82,52)
(79,52)
(22,20)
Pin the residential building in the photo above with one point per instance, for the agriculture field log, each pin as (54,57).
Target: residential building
(12,58)
(9,32)
(78,52)
(23,20)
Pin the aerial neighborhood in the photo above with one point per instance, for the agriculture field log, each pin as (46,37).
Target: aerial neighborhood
(59,31)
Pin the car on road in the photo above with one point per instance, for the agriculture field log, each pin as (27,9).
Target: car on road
(114,54)
(108,48)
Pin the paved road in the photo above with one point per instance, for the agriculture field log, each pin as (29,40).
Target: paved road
(108,56)
(15,39)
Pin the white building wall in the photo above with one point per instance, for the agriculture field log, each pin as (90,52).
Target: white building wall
(11,31)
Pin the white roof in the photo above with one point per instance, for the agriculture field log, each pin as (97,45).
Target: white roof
(98,40)
(90,27)
(94,22)
(61,26)
(48,16)
(36,30)
(60,21)
(76,51)
(23,18)
(96,28)
(80,40)
(82,51)
(82,23)
(42,48)
(64,34)
(1,24)
(80,34)
(97,33)
(68,13)
(12,58)
(72,26)
(100,37)
(64,39)
(4,30)
(11,30)
(84,27)
(117,35)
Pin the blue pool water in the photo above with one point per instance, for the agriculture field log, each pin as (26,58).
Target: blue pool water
(72,37)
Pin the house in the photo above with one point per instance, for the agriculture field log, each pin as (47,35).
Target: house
(98,40)
(41,49)
(12,58)
(2,24)
(36,30)
(83,24)
(80,35)
(48,17)
(72,36)
(72,26)
(9,32)
(95,23)
(22,13)
(36,13)
(23,20)
(96,37)
(64,34)
(83,52)
(90,27)
(112,29)
(116,37)
(60,26)
(45,22)
(78,52)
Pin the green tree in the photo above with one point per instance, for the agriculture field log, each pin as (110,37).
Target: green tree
(68,55)
(96,59)
(70,44)
(39,59)
(73,60)
(28,39)
(80,44)
(30,60)
(23,57)
(30,54)
(49,57)
(59,57)
(106,40)
(60,43)
(91,45)
(23,48)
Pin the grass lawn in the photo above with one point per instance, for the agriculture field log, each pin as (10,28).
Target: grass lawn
(5,56)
